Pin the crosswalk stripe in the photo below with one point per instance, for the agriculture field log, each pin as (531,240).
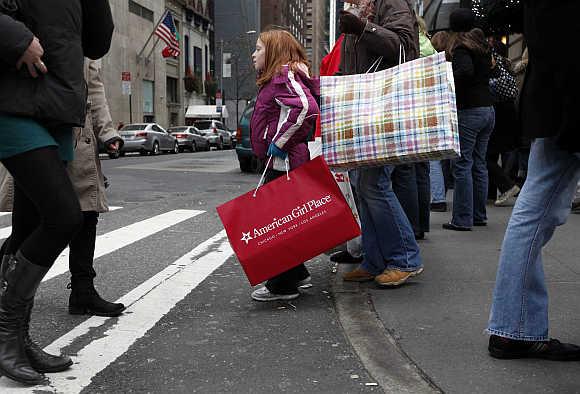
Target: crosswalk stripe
(147,304)
(115,240)
(5,232)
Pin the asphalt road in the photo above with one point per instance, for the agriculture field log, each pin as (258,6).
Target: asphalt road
(190,325)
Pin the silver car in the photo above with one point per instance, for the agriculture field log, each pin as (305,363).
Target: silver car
(189,138)
(148,138)
(216,133)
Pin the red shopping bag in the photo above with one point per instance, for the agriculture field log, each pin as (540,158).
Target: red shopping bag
(288,221)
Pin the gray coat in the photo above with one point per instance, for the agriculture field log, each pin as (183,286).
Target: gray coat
(393,24)
(85,170)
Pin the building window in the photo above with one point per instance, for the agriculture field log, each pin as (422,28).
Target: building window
(138,9)
(197,62)
(206,59)
(148,94)
(186,47)
(172,91)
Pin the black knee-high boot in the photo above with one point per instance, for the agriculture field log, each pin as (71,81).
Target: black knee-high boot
(19,284)
(84,298)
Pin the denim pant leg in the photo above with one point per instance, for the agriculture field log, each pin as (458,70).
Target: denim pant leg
(437,182)
(520,301)
(404,184)
(479,172)
(423,194)
(387,236)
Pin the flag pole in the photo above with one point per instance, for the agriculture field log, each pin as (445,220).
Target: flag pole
(152,49)
(151,35)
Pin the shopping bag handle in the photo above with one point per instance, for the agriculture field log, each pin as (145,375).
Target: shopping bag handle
(286,163)
(375,66)
(402,54)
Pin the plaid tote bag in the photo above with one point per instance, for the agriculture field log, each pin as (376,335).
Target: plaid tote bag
(403,114)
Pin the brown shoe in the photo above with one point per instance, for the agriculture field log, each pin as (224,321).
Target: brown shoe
(358,275)
(391,278)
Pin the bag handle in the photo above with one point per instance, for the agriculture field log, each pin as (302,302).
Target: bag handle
(402,54)
(261,182)
(375,66)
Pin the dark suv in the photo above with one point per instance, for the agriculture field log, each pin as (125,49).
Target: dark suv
(248,161)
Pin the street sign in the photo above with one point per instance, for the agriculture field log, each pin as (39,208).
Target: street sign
(218,102)
(126,83)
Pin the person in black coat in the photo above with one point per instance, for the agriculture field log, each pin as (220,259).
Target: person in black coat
(470,55)
(549,103)
(42,97)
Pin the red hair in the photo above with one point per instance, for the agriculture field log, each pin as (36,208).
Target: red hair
(281,48)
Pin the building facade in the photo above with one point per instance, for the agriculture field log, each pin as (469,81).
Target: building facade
(286,14)
(237,25)
(157,92)
(317,31)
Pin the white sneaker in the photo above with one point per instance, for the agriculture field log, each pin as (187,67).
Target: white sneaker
(508,198)
(263,294)
(305,283)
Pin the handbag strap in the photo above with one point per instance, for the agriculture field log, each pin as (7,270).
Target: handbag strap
(402,54)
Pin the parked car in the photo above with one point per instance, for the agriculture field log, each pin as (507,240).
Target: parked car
(189,138)
(234,135)
(248,160)
(148,138)
(216,133)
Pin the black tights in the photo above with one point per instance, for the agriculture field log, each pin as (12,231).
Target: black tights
(46,213)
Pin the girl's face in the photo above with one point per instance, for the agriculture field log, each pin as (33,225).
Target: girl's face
(259,56)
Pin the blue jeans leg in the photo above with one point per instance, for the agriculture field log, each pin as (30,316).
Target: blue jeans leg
(387,236)
(520,301)
(437,182)
(475,125)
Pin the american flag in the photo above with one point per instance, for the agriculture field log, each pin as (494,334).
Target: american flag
(168,33)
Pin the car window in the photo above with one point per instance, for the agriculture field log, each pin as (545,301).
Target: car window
(203,124)
(220,125)
(177,129)
(158,129)
(134,127)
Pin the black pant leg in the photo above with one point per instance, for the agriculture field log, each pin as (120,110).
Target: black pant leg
(424,195)
(43,183)
(82,250)
(404,180)
(497,175)
(286,282)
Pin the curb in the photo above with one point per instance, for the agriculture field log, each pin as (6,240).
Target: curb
(379,352)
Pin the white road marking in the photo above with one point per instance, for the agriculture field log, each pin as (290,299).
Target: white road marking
(5,232)
(147,304)
(115,208)
(115,240)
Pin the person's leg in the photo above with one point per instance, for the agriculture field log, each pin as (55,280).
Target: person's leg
(424,195)
(388,239)
(404,184)
(462,169)
(519,309)
(480,176)
(497,175)
(43,184)
(437,182)
(84,298)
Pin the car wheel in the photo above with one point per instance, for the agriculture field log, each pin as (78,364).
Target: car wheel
(155,150)
(175,149)
(220,145)
(193,147)
(246,165)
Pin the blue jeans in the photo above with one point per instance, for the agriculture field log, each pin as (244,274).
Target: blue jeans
(520,300)
(470,170)
(437,182)
(387,237)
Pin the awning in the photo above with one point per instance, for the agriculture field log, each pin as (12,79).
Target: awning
(205,111)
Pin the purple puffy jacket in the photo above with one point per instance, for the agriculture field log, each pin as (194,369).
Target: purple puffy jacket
(285,113)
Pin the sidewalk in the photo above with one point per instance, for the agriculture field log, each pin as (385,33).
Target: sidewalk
(438,319)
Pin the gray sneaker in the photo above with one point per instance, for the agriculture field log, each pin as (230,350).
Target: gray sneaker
(508,198)
(305,283)
(263,295)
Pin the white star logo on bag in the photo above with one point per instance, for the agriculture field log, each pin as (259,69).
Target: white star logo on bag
(246,237)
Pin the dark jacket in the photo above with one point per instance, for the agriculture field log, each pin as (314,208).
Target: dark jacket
(68,30)
(471,72)
(393,24)
(550,99)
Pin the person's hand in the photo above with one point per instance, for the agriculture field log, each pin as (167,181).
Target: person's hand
(273,150)
(350,23)
(33,59)
(493,62)
(114,146)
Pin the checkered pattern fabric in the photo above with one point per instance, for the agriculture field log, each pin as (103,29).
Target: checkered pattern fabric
(399,115)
